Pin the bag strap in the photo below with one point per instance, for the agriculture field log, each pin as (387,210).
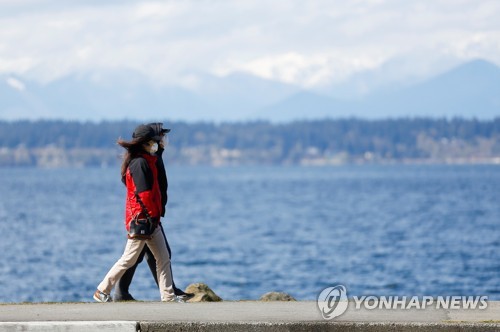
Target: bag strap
(144,209)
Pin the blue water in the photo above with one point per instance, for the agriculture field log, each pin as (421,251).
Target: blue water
(379,230)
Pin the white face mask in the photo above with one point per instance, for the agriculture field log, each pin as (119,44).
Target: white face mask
(154,148)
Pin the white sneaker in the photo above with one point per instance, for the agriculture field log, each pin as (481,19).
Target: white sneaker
(101,297)
(176,299)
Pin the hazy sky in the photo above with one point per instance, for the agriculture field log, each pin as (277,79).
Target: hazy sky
(308,43)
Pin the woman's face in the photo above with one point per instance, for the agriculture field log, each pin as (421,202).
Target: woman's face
(147,146)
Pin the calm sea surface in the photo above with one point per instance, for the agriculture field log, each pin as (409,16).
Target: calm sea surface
(245,231)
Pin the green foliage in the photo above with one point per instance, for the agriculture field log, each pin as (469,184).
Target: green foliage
(388,138)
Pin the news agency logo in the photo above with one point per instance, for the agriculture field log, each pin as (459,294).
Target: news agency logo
(332,302)
(421,303)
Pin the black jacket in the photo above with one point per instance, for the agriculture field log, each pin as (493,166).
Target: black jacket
(162,180)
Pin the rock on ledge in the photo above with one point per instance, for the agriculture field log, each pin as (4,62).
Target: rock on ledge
(277,296)
(202,293)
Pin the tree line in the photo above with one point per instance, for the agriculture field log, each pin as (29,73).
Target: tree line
(385,138)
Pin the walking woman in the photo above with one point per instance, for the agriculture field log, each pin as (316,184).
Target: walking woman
(122,286)
(140,176)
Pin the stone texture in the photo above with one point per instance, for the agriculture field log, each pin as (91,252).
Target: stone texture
(277,296)
(202,293)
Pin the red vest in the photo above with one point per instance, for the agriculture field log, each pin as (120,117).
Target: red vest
(150,198)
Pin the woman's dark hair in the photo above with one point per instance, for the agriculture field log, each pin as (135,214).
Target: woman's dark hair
(133,149)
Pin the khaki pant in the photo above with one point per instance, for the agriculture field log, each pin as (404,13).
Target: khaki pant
(132,251)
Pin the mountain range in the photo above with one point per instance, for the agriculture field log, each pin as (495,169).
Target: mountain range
(470,90)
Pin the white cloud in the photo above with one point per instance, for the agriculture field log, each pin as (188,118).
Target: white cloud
(16,84)
(308,43)
(308,70)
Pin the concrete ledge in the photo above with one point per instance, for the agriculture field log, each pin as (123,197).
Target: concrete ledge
(69,326)
(316,326)
(236,316)
(162,326)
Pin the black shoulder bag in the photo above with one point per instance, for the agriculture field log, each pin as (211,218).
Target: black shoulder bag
(142,228)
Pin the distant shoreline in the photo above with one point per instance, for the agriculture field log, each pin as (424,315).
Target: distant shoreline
(53,144)
(54,158)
